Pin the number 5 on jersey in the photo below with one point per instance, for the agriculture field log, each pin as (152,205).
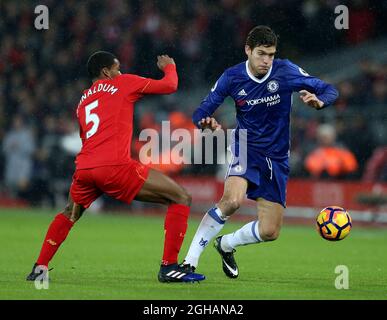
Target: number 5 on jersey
(91,117)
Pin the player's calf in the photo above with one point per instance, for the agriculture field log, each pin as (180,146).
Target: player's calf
(56,234)
(270,216)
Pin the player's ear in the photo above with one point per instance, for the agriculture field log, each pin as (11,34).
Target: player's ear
(106,72)
(247,50)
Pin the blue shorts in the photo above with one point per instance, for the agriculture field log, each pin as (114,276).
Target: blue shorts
(267,178)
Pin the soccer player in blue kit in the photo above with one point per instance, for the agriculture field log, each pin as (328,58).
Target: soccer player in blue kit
(262,89)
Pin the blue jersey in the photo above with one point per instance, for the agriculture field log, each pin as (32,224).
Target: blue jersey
(263,105)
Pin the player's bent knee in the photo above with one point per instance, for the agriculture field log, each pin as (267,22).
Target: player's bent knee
(184,198)
(230,204)
(73,215)
(67,211)
(269,234)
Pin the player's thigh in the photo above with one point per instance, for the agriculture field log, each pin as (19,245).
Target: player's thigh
(160,188)
(233,195)
(270,216)
(83,192)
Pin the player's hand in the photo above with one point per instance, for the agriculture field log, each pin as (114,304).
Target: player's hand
(310,99)
(163,61)
(210,123)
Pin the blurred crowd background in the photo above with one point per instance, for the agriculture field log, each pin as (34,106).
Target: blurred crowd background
(42,76)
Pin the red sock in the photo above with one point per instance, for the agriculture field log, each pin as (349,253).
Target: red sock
(175,226)
(56,234)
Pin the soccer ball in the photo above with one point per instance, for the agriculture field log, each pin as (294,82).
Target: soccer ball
(334,223)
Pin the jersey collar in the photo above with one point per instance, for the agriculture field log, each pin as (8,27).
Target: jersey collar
(252,77)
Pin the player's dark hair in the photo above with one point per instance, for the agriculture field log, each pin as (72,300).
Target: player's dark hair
(97,61)
(261,36)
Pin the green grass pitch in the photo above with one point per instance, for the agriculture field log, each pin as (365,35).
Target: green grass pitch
(117,257)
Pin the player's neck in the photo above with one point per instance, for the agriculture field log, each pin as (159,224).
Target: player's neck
(99,79)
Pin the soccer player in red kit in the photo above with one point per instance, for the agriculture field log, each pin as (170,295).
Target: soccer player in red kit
(104,164)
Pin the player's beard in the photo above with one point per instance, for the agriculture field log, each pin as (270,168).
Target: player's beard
(261,73)
(257,70)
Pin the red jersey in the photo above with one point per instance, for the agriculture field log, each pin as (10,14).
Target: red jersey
(105,116)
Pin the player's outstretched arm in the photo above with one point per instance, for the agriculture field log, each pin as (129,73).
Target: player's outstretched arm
(166,85)
(202,116)
(314,92)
